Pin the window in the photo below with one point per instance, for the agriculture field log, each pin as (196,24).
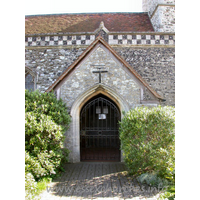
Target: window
(29,82)
(30,79)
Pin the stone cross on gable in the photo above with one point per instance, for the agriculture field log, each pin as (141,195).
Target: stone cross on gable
(99,71)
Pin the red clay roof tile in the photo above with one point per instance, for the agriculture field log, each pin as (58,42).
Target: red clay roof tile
(62,23)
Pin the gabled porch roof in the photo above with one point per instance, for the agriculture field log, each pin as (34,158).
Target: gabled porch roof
(98,40)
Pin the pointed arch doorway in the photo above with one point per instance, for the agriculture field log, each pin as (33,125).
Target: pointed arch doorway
(99,130)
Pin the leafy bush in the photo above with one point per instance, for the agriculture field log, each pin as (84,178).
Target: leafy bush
(169,194)
(167,188)
(30,186)
(33,166)
(47,104)
(152,179)
(46,120)
(44,141)
(147,138)
(148,141)
(42,185)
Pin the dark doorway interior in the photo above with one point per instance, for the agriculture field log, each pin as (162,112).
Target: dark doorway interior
(99,130)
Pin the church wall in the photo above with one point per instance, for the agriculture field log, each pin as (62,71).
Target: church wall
(161,13)
(150,5)
(149,38)
(152,55)
(49,64)
(164,19)
(81,80)
(156,66)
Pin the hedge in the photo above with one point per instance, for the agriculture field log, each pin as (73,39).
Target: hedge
(148,141)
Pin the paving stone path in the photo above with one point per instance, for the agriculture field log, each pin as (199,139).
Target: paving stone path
(97,181)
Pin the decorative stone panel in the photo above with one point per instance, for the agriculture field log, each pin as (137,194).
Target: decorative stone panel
(142,39)
(113,39)
(59,40)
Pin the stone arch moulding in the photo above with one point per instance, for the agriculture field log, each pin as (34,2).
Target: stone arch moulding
(76,108)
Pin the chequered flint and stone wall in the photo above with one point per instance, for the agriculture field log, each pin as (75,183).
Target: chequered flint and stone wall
(152,55)
(113,39)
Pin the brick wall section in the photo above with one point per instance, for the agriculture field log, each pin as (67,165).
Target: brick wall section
(156,66)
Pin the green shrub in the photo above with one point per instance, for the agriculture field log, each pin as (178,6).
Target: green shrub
(46,120)
(42,185)
(44,142)
(147,138)
(152,179)
(168,194)
(33,166)
(30,186)
(47,104)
